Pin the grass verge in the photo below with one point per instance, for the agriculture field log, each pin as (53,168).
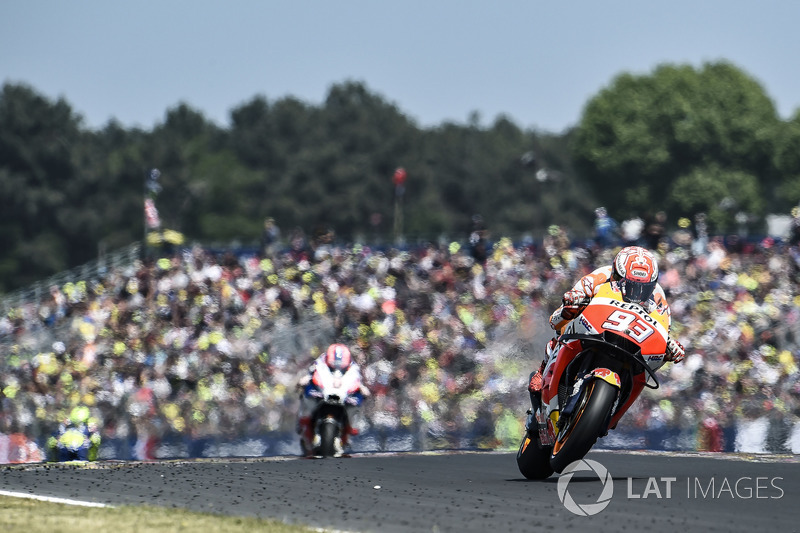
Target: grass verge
(31,516)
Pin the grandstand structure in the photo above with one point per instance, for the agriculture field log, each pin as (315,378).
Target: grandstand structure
(93,270)
(299,337)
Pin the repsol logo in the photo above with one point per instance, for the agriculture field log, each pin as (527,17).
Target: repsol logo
(636,308)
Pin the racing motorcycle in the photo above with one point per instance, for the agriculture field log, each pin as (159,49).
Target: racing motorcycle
(333,395)
(603,360)
(73,443)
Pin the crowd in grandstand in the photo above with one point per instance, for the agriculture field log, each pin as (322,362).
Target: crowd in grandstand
(192,344)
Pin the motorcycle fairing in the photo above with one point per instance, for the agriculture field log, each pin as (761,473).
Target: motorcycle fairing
(329,396)
(605,319)
(609,376)
(608,312)
(337,382)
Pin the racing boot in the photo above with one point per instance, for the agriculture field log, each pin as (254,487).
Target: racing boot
(306,432)
(536,380)
(535,383)
(338,449)
(348,431)
(303,423)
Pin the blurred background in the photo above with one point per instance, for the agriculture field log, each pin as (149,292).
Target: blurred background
(196,199)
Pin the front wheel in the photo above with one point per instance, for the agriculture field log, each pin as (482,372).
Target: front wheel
(586,425)
(533,459)
(328,433)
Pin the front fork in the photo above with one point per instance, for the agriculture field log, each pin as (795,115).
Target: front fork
(548,420)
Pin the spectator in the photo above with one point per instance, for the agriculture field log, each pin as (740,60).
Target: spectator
(270,237)
(195,347)
(478,240)
(654,230)
(605,228)
(632,231)
(794,227)
(700,234)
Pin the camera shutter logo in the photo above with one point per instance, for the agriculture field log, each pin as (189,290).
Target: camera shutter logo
(587,509)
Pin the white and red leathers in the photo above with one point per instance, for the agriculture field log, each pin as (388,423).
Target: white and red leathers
(321,379)
(587,287)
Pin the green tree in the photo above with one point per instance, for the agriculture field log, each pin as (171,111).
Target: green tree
(721,194)
(680,139)
(637,137)
(787,160)
(180,148)
(112,163)
(37,174)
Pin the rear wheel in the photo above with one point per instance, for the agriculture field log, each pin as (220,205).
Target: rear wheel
(586,425)
(533,459)
(328,432)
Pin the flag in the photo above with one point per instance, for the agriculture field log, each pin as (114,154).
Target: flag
(151,214)
(399,180)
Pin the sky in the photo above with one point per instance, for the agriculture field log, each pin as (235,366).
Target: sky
(536,62)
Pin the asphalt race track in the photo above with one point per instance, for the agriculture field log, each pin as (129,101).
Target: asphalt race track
(449,492)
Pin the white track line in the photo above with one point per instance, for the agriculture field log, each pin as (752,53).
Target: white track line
(52,499)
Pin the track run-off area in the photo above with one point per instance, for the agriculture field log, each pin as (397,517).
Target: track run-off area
(458,491)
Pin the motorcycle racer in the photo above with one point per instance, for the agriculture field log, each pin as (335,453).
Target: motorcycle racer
(337,360)
(634,272)
(77,438)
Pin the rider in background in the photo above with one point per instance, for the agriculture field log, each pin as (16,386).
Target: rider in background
(635,271)
(77,437)
(336,358)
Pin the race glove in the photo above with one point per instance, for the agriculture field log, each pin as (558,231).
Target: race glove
(314,393)
(573,298)
(675,351)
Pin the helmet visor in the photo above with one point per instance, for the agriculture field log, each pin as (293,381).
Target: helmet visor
(636,291)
